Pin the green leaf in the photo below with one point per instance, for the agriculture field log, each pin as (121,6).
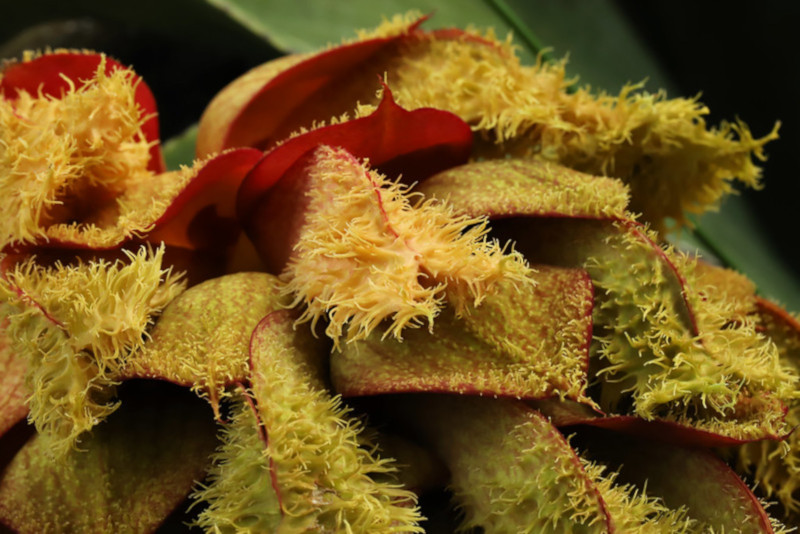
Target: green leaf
(180,149)
(604,50)
(190,21)
(736,236)
(288,26)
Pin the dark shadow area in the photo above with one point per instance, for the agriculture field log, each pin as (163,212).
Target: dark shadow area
(742,61)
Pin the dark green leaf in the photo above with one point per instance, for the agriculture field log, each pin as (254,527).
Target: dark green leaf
(306,25)
(180,149)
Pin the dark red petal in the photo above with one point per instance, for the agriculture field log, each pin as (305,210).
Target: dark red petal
(326,84)
(415,144)
(46,73)
(203,215)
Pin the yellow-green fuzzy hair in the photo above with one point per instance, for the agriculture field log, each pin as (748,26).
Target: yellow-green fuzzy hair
(239,489)
(512,471)
(77,325)
(56,151)
(389,27)
(633,511)
(366,253)
(314,456)
(775,469)
(726,376)
(202,339)
(661,147)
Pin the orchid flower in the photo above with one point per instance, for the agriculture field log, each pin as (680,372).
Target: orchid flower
(462,300)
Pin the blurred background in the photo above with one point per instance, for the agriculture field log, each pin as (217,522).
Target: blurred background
(739,59)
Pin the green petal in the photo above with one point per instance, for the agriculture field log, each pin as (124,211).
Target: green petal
(132,472)
(526,341)
(310,455)
(202,339)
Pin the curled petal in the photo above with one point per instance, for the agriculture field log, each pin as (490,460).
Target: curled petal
(54,74)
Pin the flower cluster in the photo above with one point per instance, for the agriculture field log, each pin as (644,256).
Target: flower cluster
(400,272)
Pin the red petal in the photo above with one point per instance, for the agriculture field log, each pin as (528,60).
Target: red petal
(203,215)
(280,103)
(420,143)
(415,143)
(46,73)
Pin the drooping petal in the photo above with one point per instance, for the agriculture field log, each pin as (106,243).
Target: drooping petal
(134,469)
(512,471)
(313,475)
(683,477)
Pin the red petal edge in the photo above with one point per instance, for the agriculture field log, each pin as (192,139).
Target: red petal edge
(46,74)
(263,121)
(419,143)
(203,215)
(569,414)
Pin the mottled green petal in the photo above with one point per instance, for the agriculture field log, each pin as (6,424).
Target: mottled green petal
(321,478)
(514,187)
(202,338)
(692,478)
(528,341)
(12,384)
(512,471)
(135,469)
